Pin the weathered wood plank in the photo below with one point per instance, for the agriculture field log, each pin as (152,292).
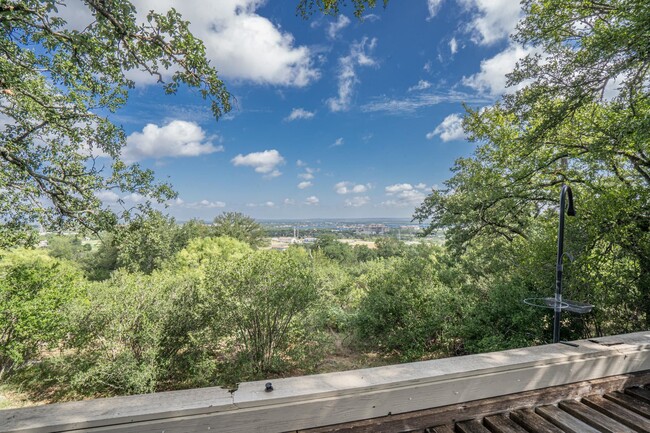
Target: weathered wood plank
(528,419)
(619,413)
(640,393)
(563,420)
(471,426)
(502,424)
(481,408)
(442,429)
(593,417)
(629,402)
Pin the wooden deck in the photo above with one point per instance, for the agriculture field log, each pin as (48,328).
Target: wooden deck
(615,404)
(507,390)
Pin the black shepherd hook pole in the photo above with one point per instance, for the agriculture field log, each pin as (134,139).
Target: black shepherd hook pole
(566,191)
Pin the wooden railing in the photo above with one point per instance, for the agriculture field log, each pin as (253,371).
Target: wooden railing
(306,402)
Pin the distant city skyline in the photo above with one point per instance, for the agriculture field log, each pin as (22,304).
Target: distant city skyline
(333,116)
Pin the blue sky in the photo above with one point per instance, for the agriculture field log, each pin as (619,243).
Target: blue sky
(334,116)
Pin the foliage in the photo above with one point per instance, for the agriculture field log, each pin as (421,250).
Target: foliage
(404,307)
(35,293)
(146,242)
(241,227)
(57,86)
(333,7)
(580,118)
(202,253)
(68,248)
(135,332)
(262,299)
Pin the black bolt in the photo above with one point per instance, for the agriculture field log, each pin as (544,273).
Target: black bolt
(269,387)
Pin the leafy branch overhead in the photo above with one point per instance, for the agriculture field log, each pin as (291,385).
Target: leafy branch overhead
(58,86)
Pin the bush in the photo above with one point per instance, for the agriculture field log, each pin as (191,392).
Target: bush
(404,309)
(262,300)
(137,333)
(35,293)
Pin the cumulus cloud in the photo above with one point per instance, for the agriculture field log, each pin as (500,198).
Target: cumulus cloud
(312,200)
(421,85)
(453,46)
(240,43)
(493,20)
(177,138)
(204,204)
(107,196)
(264,204)
(305,184)
(360,53)
(450,129)
(346,187)
(404,194)
(308,173)
(265,162)
(357,201)
(299,113)
(491,79)
(338,25)
(433,7)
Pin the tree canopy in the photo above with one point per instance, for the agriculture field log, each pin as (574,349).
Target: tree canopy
(581,117)
(58,86)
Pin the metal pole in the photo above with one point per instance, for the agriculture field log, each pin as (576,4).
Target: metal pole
(558,270)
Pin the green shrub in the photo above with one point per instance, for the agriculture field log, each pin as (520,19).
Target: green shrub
(35,293)
(262,300)
(404,308)
(136,333)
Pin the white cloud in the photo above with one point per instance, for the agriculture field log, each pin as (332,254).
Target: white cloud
(493,20)
(346,187)
(134,197)
(421,100)
(305,184)
(428,66)
(433,6)
(421,85)
(265,204)
(338,142)
(107,196)
(205,204)
(337,26)
(289,201)
(347,79)
(241,44)
(450,129)
(308,174)
(404,194)
(453,46)
(357,201)
(265,162)
(300,163)
(492,79)
(299,113)
(177,138)
(312,200)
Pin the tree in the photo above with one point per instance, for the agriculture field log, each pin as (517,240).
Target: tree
(241,227)
(333,7)
(58,86)
(581,118)
(146,242)
(35,292)
(261,298)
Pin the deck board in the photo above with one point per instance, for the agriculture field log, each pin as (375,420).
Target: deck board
(563,420)
(472,426)
(594,418)
(531,421)
(502,424)
(619,413)
(629,402)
